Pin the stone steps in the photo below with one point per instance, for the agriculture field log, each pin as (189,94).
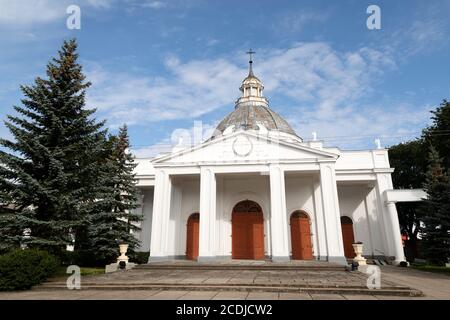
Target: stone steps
(234,284)
(236,267)
(314,277)
(388,291)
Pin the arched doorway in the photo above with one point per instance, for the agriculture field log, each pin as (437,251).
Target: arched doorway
(247,231)
(301,236)
(348,236)
(192,236)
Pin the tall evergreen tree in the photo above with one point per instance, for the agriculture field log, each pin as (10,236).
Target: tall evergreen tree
(438,133)
(436,212)
(115,219)
(410,162)
(49,177)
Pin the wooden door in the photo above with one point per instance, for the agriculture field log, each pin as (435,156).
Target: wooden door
(192,238)
(301,237)
(247,231)
(348,237)
(256,243)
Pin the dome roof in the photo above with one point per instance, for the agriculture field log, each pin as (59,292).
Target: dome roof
(252,109)
(251,80)
(247,117)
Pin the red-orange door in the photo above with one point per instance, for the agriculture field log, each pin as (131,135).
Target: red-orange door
(257,241)
(192,237)
(248,232)
(301,237)
(348,237)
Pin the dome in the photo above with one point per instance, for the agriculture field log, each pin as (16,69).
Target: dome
(251,80)
(252,111)
(247,117)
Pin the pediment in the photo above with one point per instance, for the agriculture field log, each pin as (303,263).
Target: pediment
(244,146)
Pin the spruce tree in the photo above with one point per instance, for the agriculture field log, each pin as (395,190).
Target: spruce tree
(115,220)
(437,134)
(49,170)
(436,212)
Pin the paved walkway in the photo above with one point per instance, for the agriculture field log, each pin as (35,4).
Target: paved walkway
(184,295)
(435,286)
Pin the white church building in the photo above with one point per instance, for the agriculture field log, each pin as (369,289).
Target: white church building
(256,190)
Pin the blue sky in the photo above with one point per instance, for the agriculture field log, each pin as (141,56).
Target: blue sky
(161,65)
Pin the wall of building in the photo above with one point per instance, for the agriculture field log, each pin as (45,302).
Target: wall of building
(299,196)
(185,201)
(230,191)
(146,209)
(359,202)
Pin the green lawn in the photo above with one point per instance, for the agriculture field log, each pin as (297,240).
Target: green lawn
(85,271)
(429,268)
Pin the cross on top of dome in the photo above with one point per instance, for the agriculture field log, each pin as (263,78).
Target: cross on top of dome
(250,71)
(252,87)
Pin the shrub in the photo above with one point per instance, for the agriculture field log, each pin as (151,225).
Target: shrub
(139,257)
(22,269)
(83,258)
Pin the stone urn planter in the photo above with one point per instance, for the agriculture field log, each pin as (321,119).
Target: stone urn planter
(358,247)
(123,247)
(122,261)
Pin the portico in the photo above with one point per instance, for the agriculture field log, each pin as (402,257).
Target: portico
(255,190)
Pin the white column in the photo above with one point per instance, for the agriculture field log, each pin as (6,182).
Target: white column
(382,184)
(177,231)
(332,216)
(390,223)
(278,218)
(141,233)
(321,250)
(395,231)
(207,237)
(161,214)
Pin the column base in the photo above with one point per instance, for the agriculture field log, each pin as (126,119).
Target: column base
(158,258)
(280,258)
(206,259)
(338,259)
(397,262)
(320,258)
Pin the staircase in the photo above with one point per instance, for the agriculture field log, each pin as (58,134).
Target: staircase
(303,276)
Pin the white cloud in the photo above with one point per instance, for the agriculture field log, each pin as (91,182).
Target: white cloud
(180,137)
(297,21)
(356,127)
(314,72)
(154,4)
(100,3)
(425,32)
(18,14)
(324,89)
(308,73)
(190,90)
(25,12)
(153,150)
